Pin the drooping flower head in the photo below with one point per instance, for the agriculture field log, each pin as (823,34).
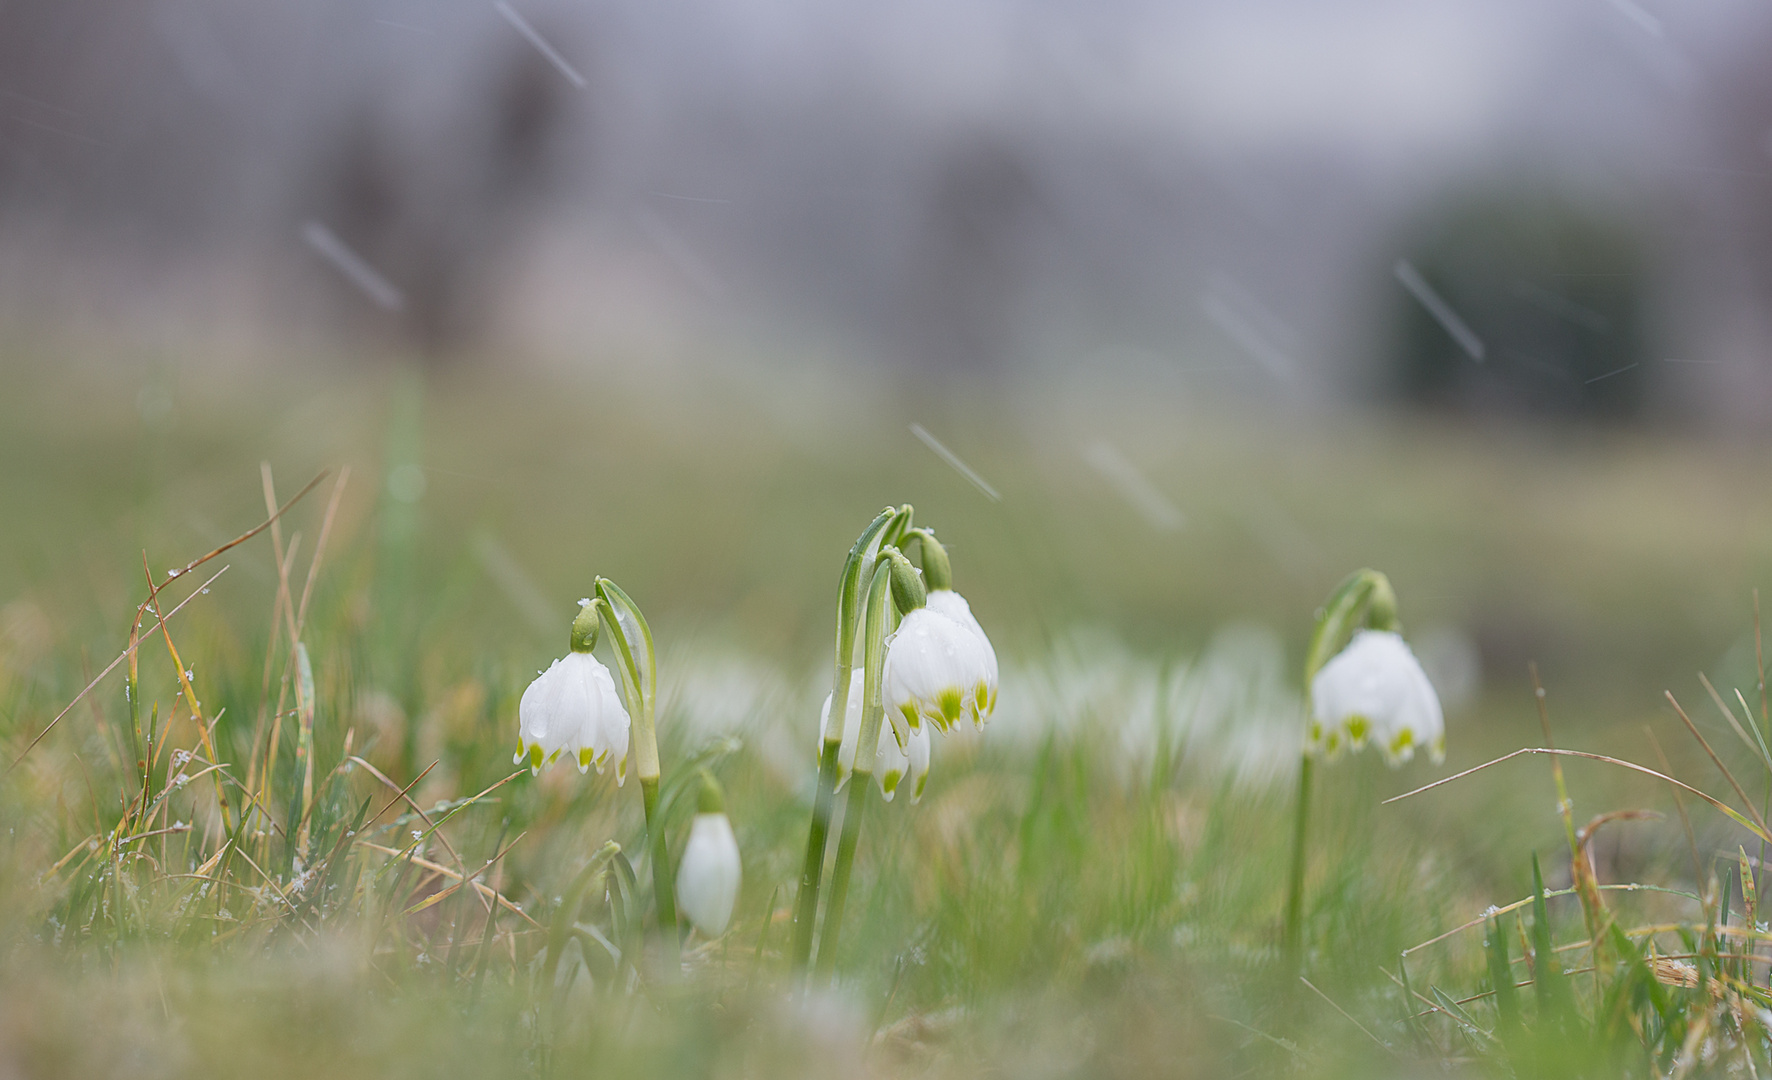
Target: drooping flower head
(894,766)
(710,874)
(1375,690)
(574,709)
(939,669)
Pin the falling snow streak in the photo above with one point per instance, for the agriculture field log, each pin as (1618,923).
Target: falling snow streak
(1609,374)
(1568,310)
(1437,306)
(954,461)
(1151,504)
(672,245)
(1637,14)
(689,198)
(521,25)
(1242,320)
(347,262)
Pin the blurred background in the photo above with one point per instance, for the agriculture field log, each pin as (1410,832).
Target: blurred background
(1255,197)
(1168,314)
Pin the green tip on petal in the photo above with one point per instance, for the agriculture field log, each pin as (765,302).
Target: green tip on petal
(889,783)
(911,717)
(952,703)
(1358,727)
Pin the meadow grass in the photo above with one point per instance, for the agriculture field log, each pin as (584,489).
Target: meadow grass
(1091,886)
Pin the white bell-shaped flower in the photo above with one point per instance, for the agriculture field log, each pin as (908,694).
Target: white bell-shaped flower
(940,668)
(573,708)
(894,766)
(709,876)
(1375,690)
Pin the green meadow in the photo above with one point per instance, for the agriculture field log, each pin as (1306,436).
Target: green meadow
(252,861)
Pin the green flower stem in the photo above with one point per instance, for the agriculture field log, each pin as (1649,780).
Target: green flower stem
(632,638)
(1366,590)
(664,885)
(833,912)
(874,620)
(860,560)
(1295,890)
(817,837)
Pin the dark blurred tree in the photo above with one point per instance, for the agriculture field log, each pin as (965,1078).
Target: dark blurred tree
(438,216)
(1554,292)
(982,205)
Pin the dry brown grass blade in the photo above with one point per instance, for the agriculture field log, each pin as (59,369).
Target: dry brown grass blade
(1728,810)
(1718,762)
(191,702)
(112,666)
(1350,1016)
(486,891)
(439,897)
(188,567)
(1729,715)
(306,708)
(261,527)
(401,795)
(430,825)
(1584,836)
(280,607)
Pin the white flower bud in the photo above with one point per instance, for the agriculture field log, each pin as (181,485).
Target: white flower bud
(573,708)
(1375,690)
(940,665)
(710,873)
(893,767)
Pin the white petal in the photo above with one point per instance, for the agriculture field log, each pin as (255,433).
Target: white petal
(851,728)
(890,761)
(954,606)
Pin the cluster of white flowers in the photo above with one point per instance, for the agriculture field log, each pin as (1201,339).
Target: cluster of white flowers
(940,667)
(1375,691)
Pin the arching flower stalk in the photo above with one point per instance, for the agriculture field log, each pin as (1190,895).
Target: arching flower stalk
(632,639)
(850,588)
(1372,690)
